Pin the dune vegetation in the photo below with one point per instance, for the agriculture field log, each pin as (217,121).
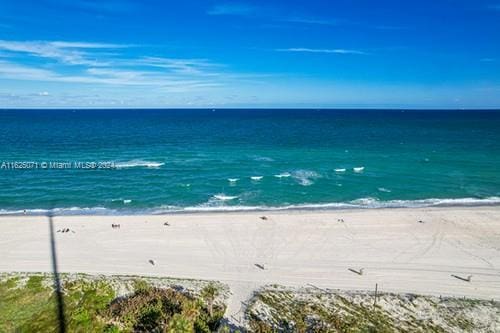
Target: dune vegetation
(28,303)
(279,309)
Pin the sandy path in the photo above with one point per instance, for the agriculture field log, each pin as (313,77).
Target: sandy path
(296,248)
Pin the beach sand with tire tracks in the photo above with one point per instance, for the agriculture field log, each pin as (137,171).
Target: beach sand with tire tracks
(430,251)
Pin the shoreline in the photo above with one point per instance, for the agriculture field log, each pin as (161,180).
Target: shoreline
(374,204)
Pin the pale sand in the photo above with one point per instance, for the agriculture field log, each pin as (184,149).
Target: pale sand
(297,248)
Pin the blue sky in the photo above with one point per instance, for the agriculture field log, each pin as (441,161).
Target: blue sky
(347,53)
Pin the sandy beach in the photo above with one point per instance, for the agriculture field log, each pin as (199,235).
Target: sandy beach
(293,248)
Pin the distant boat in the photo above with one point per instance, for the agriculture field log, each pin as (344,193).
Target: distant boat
(339,170)
(358,169)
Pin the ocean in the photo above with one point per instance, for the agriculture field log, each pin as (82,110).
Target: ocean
(159,161)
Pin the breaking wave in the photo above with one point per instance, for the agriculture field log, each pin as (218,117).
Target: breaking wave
(363,203)
(138,164)
(305,177)
(224,197)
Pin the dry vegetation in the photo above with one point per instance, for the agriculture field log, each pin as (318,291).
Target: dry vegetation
(312,310)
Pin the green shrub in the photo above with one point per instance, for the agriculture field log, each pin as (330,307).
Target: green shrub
(180,324)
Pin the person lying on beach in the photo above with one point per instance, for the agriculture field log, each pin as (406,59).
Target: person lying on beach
(166,224)
(263,218)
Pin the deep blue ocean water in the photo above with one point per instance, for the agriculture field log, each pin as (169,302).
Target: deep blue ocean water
(158,161)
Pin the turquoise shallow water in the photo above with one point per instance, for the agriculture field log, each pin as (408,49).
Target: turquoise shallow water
(158,161)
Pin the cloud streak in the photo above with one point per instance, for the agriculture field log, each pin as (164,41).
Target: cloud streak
(285,16)
(72,53)
(273,14)
(92,63)
(328,51)
(309,20)
(181,66)
(237,9)
(105,76)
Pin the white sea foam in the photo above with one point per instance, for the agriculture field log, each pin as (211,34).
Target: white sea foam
(125,201)
(383,189)
(376,203)
(363,203)
(224,197)
(62,211)
(339,170)
(233,180)
(166,209)
(305,177)
(283,175)
(256,178)
(207,208)
(138,164)
(358,169)
(359,203)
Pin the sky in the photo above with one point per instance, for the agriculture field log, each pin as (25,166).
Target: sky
(274,53)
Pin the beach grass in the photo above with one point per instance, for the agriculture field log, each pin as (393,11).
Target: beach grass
(309,310)
(28,304)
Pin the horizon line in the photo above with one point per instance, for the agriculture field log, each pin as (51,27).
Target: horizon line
(257,108)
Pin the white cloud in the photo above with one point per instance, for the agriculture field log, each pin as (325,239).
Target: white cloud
(84,53)
(309,50)
(14,71)
(85,45)
(112,70)
(72,53)
(166,74)
(182,66)
(105,76)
